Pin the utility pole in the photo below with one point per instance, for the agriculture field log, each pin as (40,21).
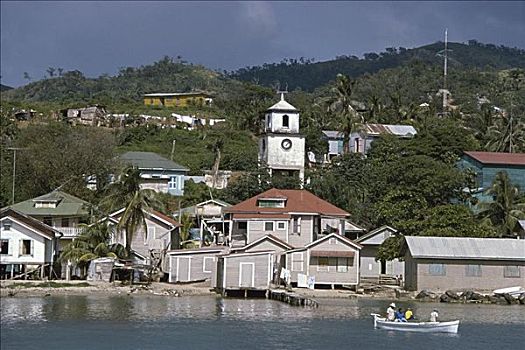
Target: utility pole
(444,91)
(14,149)
(172,149)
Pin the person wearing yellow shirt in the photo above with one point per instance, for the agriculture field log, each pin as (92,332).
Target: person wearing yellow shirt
(409,315)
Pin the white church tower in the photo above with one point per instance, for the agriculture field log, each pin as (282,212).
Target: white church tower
(281,147)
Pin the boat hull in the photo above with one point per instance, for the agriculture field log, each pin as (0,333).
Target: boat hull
(423,327)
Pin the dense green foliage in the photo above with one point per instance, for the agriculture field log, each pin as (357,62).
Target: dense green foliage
(308,75)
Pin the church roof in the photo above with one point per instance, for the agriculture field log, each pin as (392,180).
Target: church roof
(282,105)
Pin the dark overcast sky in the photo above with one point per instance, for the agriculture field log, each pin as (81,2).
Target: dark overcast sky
(100,37)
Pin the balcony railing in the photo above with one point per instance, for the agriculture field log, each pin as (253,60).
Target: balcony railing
(69,231)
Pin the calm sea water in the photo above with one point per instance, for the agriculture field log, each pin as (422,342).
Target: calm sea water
(149,322)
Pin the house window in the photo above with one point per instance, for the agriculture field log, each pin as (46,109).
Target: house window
(25,247)
(48,221)
(332,241)
(65,222)
(297,261)
(286,121)
(150,234)
(4,246)
(242,225)
(6,224)
(473,270)
(436,270)
(172,184)
(322,263)
(511,272)
(281,225)
(296,224)
(342,264)
(268,226)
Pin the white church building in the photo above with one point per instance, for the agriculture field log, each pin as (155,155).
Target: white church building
(281,147)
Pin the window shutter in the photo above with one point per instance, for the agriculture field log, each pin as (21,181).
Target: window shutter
(20,247)
(32,252)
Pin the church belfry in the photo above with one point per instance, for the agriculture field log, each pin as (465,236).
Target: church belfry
(281,147)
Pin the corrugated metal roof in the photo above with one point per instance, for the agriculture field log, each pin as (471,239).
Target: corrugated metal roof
(466,248)
(150,160)
(498,158)
(167,94)
(398,130)
(377,129)
(333,134)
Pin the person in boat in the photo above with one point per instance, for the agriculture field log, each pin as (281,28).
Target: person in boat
(434,316)
(391,312)
(400,315)
(409,315)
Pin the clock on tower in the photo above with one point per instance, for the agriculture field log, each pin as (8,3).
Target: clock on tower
(281,147)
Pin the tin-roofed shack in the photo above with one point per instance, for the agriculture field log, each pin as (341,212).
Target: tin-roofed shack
(443,263)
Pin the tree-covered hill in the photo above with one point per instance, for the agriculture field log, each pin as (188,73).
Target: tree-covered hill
(308,75)
(128,86)
(5,87)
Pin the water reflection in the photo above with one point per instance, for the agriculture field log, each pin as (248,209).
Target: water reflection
(154,308)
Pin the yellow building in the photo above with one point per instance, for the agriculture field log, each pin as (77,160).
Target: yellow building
(177,99)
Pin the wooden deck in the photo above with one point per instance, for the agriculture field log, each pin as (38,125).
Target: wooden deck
(291,298)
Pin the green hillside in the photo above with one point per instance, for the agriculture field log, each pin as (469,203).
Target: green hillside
(128,86)
(308,75)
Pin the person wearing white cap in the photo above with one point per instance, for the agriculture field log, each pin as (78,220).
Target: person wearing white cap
(391,312)
(434,316)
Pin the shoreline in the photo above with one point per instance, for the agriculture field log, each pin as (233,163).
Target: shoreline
(21,289)
(31,289)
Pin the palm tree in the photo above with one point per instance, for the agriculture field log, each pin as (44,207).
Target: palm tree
(93,242)
(348,120)
(138,202)
(507,134)
(507,207)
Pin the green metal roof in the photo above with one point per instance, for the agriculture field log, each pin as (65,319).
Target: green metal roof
(150,160)
(66,205)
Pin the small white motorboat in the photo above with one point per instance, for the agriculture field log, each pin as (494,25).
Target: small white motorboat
(425,327)
(514,292)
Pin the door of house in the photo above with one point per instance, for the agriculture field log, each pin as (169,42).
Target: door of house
(383,267)
(246,275)
(183,269)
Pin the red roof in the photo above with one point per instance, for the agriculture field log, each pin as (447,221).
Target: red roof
(165,218)
(498,158)
(297,201)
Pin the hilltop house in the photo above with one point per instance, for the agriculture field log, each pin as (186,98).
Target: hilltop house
(177,99)
(157,173)
(360,142)
(26,244)
(443,263)
(487,164)
(93,115)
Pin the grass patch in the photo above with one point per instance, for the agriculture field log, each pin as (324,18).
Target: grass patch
(48,285)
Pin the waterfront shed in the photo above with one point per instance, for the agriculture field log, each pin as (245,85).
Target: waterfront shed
(243,271)
(191,265)
(442,263)
(369,267)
